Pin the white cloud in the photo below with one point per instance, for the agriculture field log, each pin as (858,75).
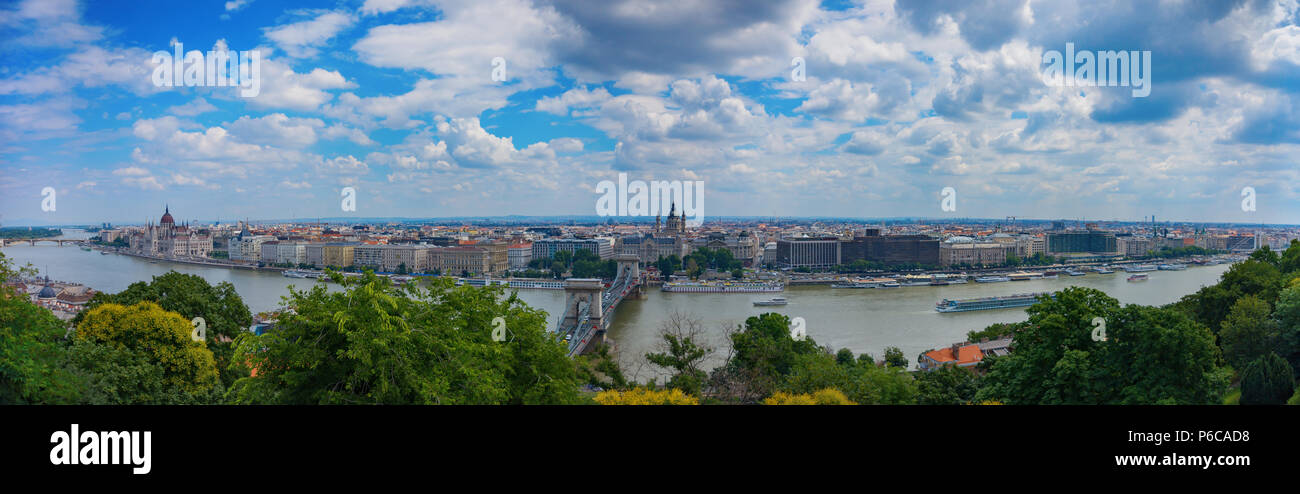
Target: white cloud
(304,39)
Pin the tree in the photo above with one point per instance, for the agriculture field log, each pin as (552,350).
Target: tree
(1151,355)
(762,355)
(682,350)
(947,385)
(1287,315)
(1267,381)
(894,357)
(994,331)
(844,357)
(374,342)
(222,309)
(1248,332)
(113,375)
(1265,255)
(32,345)
(598,368)
(162,336)
(668,265)
(1290,260)
(863,382)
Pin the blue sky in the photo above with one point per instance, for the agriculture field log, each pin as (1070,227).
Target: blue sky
(396,99)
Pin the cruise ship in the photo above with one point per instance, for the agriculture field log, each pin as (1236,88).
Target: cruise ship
(1172,267)
(992,279)
(986,303)
(514,283)
(770,302)
(1138,277)
(722,287)
(854,284)
(1140,268)
(915,280)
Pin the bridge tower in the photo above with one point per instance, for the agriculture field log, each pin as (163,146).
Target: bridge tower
(629,265)
(582,293)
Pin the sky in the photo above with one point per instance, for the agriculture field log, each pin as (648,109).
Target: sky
(898,100)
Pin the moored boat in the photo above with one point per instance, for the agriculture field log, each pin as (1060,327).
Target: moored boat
(986,303)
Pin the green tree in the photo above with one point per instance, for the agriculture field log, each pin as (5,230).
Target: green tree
(114,375)
(947,385)
(894,357)
(162,336)
(1289,262)
(1265,255)
(762,355)
(222,309)
(373,342)
(844,357)
(1151,355)
(1287,315)
(1249,332)
(862,382)
(1267,381)
(32,347)
(683,351)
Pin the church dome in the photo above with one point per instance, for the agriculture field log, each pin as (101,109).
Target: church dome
(48,292)
(167,217)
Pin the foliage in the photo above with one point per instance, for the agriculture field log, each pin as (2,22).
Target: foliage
(599,369)
(894,357)
(160,335)
(1248,332)
(668,265)
(24,233)
(1287,316)
(683,351)
(376,343)
(1267,381)
(1210,305)
(862,381)
(1151,355)
(31,348)
(947,385)
(994,331)
(220,306)
(643,396)
(113,375)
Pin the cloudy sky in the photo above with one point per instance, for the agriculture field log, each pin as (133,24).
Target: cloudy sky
(396,98)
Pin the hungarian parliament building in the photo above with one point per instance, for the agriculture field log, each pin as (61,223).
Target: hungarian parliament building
(168,240)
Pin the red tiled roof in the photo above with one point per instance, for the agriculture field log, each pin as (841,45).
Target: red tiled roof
(966,355)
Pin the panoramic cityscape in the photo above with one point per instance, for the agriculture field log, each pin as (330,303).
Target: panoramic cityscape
(652,202)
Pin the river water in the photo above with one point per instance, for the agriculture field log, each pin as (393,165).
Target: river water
(863,320)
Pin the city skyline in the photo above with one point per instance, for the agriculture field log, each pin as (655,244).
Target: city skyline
(399,99)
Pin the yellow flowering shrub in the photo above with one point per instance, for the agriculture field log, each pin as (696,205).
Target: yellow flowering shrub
(642,396)
(161,334)
(828,396)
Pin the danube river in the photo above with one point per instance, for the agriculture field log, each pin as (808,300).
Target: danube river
(863,320)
